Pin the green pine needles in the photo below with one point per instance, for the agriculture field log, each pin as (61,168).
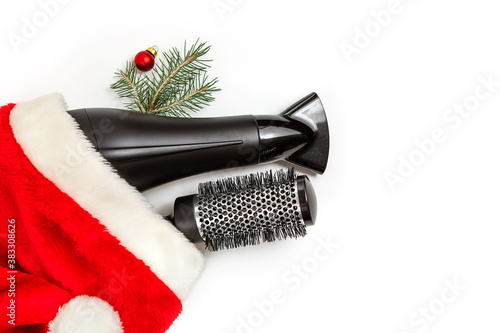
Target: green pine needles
(176,85)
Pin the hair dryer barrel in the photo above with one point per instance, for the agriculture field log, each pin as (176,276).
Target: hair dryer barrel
(150,150)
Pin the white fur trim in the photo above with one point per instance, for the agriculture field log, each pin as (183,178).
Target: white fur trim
(56,146)
(86,314)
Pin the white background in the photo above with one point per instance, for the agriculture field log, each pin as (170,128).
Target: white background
(396,248)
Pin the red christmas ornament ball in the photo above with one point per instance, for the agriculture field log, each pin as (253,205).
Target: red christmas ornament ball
(145,60)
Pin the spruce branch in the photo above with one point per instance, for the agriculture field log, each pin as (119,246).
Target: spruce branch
(178,83)
(127,86)
(181,101)
(188,59)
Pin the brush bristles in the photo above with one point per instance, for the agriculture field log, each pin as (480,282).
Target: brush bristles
(249,210)
(247,182)
(254,238)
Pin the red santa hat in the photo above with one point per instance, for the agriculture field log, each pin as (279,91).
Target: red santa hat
(81,250)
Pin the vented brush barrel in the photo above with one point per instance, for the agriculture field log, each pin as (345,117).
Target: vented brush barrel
(247,210)
(149,150)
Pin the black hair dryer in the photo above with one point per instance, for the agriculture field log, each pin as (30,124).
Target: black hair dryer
(151,150)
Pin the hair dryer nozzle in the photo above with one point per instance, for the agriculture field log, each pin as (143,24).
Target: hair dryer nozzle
(309,111)
(298,135)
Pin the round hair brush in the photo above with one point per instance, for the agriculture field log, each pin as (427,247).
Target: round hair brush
(247,210)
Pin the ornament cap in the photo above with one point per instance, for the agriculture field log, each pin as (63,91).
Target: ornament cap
(153,50)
